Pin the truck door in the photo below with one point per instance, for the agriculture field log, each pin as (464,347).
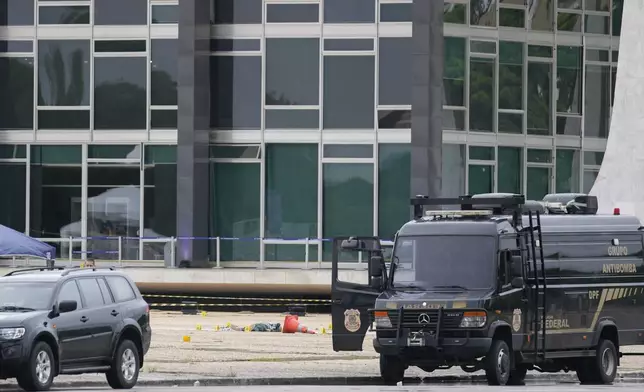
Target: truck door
(351,293)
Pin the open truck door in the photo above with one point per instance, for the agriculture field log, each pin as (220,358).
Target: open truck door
(354,292)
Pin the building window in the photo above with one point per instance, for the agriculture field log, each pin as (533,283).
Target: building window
(121,12)
(238,11)
(349,83)
(16,93)
(349,11)
(394,178)
(56,179)
(291,199)
(120,100)
(394,69)
(236,92)
(347,201)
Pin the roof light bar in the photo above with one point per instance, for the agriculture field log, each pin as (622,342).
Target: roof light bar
(458,213)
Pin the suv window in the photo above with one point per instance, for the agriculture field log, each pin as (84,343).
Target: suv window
(91,292)
(69,292)
(120,288)
(107,297)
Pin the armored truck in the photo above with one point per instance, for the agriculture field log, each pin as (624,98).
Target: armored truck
(499,284)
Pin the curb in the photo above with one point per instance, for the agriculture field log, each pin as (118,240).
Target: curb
(622,377)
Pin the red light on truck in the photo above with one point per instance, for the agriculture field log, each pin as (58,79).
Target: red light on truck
(616,211)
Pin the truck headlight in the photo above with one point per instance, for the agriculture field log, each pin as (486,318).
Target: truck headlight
(382,319)
(12,333)
(473,319)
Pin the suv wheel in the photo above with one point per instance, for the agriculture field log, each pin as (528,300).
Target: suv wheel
(125,366)
(39,373)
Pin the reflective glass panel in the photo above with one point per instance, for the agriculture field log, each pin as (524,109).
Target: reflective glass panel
(510,169)
(292,71)
(12,200)
(349,83)
(236,92)
(238,11)
(17,12)
(454,71)
(483,13)
(349,11)
(394,177)
(16,93)
(347,201)
(164,69)
(539,102)
(394,69)
(120,12)
(292,13)
(62,15)
(120,93)
(291,198)
(481,94)
(63,72)
(235,188)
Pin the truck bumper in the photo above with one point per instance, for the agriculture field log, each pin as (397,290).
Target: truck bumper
(442,349)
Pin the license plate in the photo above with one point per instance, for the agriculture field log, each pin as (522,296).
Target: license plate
(415,342)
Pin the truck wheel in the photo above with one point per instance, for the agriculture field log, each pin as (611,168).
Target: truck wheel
(517,376)
(392,369)
(584,373)
(124,372)
(498,363)
(38,375)
(601,369)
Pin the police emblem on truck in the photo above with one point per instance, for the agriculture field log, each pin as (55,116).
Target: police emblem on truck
(352,320)
(516,320)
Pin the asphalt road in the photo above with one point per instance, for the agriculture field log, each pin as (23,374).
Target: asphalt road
(621,387)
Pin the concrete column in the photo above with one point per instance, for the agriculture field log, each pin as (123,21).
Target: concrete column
(619,183)
(193,131)
(427,93)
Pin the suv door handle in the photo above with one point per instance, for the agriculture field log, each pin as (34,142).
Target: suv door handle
(84,319)
(114,313)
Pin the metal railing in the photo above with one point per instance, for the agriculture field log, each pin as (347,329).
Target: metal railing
(162,252)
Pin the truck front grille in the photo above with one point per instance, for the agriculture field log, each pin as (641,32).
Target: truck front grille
(426,320)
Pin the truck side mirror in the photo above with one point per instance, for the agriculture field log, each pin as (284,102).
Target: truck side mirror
(517,283)
(375,266)
(351,244)
(376,282)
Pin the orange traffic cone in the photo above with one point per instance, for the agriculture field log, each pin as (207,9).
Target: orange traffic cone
(292,325)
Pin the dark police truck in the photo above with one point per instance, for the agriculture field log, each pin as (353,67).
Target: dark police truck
(500,284)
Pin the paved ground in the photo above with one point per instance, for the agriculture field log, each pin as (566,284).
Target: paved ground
(234,355)
(441,388)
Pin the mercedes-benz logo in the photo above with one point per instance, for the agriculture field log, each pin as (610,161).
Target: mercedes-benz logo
(423,318)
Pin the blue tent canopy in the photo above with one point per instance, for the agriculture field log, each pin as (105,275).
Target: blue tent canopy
(14,243)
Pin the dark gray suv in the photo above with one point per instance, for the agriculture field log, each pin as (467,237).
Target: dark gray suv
(71,321)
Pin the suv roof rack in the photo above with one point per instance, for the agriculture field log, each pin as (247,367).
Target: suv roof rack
(77,269)
(65,271)
(23,270)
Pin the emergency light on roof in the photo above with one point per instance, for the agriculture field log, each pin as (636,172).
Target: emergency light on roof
(458,213)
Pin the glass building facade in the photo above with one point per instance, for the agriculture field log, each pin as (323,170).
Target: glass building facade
(309,116)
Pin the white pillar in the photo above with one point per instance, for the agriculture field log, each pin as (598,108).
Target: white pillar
(620,182)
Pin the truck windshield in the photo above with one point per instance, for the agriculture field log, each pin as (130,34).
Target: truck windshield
(441,261)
